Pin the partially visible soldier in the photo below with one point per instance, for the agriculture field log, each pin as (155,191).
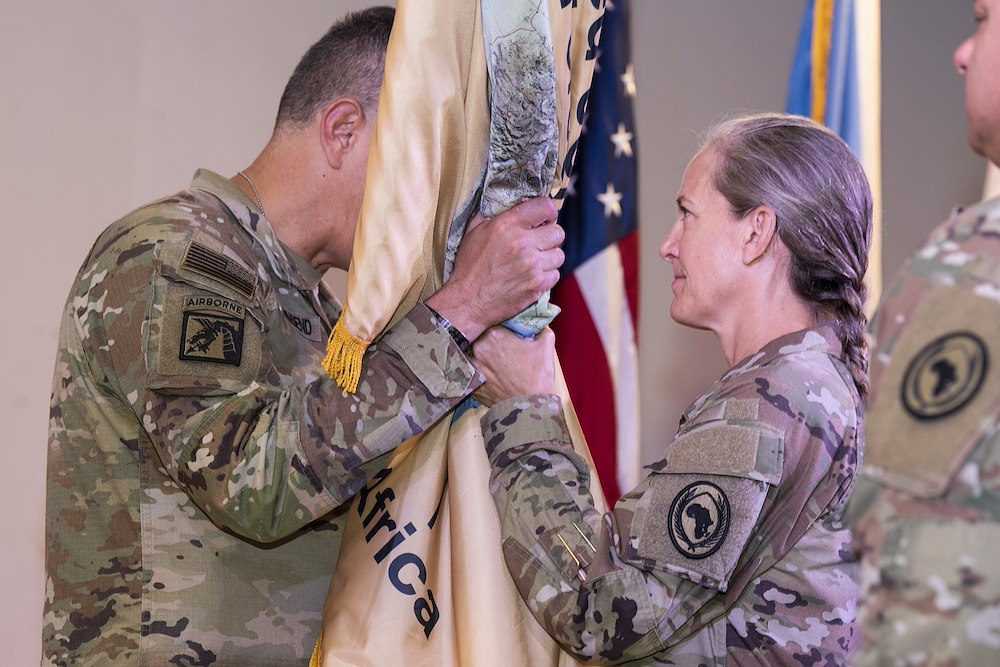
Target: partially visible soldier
(198,452)
(927,510)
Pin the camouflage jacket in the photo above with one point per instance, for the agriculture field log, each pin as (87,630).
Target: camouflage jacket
(197,451)
(926,515)
(731,548)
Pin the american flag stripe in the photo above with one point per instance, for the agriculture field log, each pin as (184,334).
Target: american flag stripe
(598,292)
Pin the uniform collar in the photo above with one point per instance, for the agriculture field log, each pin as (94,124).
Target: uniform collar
(822,338)
(310,276)
(971,219)
(286,264)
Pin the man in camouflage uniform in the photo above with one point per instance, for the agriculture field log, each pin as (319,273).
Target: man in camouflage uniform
(926,513)
(197,451)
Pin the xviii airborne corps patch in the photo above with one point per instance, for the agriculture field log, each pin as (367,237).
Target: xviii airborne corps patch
(211,337)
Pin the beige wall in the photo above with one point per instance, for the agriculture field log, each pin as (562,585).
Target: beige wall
(109,103)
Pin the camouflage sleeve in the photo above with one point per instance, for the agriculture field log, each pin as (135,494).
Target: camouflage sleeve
(926,512)
(574,568)
(262,452)
(265,461)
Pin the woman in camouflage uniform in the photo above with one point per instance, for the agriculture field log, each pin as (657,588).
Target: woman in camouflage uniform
(732,549)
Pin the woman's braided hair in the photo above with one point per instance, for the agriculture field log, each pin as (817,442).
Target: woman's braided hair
(823,204)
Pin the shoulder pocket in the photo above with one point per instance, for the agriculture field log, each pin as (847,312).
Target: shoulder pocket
(204,337)
(934,401)
(694,515)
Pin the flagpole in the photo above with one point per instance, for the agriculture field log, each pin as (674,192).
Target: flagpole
(991,188)
(868,20)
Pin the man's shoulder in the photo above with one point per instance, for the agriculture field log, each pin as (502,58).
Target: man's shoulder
(173,219)
(961,257)
(973,229)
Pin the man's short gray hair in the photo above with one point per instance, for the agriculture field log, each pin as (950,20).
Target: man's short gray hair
(348,61)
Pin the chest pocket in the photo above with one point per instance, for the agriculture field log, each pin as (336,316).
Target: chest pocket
(205,322)
(696,513)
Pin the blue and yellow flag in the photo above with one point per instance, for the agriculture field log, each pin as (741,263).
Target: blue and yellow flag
(836,81)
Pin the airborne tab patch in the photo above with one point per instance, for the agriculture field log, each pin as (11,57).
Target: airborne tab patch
(215,265)
(211,337)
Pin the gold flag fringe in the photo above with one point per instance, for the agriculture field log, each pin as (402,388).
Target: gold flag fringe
(343,357)
(317,657)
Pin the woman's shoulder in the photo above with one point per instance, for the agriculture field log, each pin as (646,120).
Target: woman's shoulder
(800,383)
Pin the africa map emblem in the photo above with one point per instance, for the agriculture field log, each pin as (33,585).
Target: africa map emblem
(945,375)
(210,337)
(699,520)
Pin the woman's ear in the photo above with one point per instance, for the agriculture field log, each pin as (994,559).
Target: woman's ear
(339,122)
(761,230)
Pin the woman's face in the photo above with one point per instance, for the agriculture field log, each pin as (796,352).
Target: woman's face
(704,249)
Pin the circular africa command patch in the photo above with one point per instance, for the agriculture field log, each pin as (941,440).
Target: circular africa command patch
(699,519)
(945,375)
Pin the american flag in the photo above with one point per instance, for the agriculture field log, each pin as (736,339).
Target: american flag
(599,287)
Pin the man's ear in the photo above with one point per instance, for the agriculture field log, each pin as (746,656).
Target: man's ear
(339,124)
(762,227)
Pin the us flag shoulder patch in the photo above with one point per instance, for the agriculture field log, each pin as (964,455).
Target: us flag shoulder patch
(211,337)
(215,265)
